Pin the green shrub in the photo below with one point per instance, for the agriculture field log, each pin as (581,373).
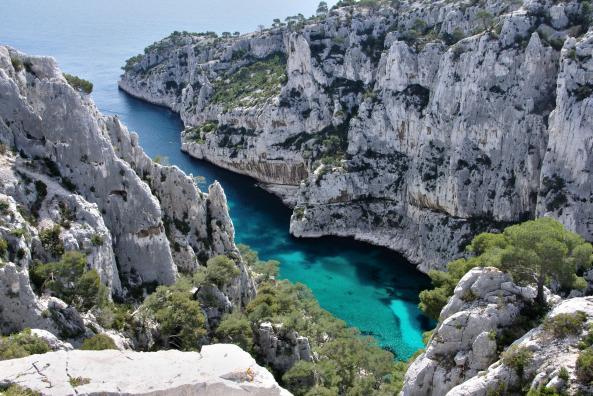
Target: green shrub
(79,84)
(580,283)
(114,316)
(180,319)
(78,381)
(251,85)
(235,329)
(98,342)
(220,271)
(19,232)
(3,248)
(563,374)
(584,366)
(97,240)
(69,280)
(21,345)
(432,301)
(565,324)
(543,391)
(161,160)
(517,358)
(17,63)
(131,62)
(300,378)
(4,208)
(50,239)
(17,390)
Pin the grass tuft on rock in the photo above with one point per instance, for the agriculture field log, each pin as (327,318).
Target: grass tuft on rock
(98,342)
(21,345)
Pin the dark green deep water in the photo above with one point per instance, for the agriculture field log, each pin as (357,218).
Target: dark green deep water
(371,288)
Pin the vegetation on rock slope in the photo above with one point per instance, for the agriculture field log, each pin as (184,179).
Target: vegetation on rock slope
(538,252)
(21,345)
(251,85)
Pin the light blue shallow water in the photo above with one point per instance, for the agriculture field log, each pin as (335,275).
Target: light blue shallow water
(371,288)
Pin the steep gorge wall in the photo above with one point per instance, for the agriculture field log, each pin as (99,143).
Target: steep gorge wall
(412,126)
(75,180)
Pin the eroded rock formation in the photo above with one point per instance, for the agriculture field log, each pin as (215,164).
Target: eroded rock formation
(75,180)
(218,369)
(408,125)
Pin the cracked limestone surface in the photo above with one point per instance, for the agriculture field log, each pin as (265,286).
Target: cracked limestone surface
(218,369)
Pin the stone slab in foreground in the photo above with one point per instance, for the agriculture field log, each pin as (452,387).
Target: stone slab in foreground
(218,370)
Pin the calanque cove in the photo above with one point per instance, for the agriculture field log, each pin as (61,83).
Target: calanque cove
(456,133)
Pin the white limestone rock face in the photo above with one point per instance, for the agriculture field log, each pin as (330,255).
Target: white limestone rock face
(549,354)
(465,340)
(54,342)
(44,117)
(566,175)
(65,167)
(110,199)
(281,348)
(416,144)
(50,204)
(217,370)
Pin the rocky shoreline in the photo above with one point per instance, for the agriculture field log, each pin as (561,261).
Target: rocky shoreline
(409,127)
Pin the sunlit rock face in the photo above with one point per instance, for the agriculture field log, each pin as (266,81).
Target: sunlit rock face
(75,180)
(410,126)
(465,354)
(218,369)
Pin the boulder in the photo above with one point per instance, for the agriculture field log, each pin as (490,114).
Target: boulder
(217,370)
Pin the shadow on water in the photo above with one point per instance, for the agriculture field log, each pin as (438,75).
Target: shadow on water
(372,288)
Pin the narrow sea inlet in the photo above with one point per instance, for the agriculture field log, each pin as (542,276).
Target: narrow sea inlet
(371,288)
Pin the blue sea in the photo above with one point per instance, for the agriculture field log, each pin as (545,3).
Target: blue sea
(371,288)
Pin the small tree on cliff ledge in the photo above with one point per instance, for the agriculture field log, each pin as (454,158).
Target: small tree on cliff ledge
(535,252)
(541,250)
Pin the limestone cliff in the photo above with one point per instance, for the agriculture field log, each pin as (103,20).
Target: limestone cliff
(75,180)
(409,125)
(469,351)
(217,370)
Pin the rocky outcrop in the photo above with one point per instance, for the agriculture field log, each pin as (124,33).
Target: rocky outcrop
(485,305)
(409,126)
(72,179)
(281,348)
(489,316)
(548,355)
(217,370)
(156,219)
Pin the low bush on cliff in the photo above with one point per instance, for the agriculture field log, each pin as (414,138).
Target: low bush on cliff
(50,239)
(235,329)
(180,320)
(536,252)
(565,324)
(220,271)
(22,344)
(98,342)
(251,85)
(131,62)
(16,390)
(517,358)
(584,366)
(79,84)
(69,280)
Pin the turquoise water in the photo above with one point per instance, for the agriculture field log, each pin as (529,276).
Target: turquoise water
(371,288)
